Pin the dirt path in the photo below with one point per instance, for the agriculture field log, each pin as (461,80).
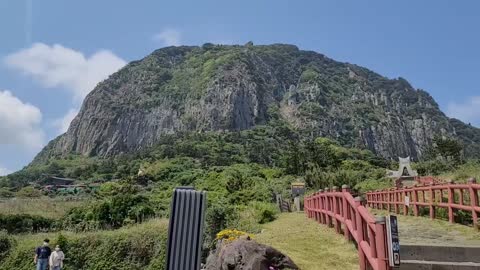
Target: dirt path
(424,231)
(310,245)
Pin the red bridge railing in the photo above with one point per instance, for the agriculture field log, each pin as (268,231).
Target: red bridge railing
(347,214)
(449,196)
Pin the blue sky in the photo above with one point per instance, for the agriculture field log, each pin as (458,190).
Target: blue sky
(52,52)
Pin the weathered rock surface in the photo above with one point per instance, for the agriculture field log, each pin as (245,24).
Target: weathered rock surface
(245,254)
(217,88)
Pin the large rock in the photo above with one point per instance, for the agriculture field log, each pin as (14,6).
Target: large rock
(218,88)
(246,254)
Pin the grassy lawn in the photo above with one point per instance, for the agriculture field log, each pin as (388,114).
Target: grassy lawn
(424,231)
(46,207)
(310,245)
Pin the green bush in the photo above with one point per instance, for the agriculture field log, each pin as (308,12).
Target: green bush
(6,244)
(373,184)
(264,212)
(5,193)
(139,247)
(25,223)
(109,213)
(29,192)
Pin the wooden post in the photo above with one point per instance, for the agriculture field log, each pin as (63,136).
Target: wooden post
(396,200)
(415,200)
(359,233)
(380,237)
(336,210)
(432,201)
(320,207)
(346,212)
(473,201)
(388,200)
(405,207)
(460,197)
(450,201)
(328,218)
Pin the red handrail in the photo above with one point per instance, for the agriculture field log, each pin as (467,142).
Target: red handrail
(449,196)
(347,215)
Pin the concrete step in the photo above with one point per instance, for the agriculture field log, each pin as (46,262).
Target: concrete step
(435,265)
(440,253)
(439,258)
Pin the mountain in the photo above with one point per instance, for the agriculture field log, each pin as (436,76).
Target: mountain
(231,88)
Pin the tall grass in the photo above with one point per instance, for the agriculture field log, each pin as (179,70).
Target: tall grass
(464,172)
(310,245)
(45,207)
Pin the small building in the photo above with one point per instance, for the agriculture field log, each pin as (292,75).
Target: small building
(405,170)
(48,180)
(298,189)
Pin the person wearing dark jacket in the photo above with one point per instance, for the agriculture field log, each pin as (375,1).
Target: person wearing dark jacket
(42,254)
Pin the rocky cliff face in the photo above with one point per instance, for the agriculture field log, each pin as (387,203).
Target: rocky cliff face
(237,87)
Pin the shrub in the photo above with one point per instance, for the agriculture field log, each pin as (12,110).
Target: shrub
(25,223)
(6,243)
(373,184)
(139,247)
(231,235)
(5,193)
(112,212)
(264,212)
(29,192)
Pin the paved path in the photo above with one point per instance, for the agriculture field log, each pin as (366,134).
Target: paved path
(424,231)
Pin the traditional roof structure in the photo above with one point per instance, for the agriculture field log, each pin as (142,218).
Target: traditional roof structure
(52,180)
(404,169)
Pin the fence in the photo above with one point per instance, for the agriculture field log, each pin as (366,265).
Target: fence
(347,214)
(449,196)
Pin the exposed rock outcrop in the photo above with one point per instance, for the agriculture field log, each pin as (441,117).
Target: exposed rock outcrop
(217,88)
(245,254)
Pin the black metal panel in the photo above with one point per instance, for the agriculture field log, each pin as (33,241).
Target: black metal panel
(185,232)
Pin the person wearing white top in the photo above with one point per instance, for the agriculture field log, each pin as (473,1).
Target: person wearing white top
(56,259)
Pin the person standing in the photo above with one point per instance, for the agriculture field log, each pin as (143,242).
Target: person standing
(42,253)
(56,259)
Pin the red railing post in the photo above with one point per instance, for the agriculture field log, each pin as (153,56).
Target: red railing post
(415,200)
(318,204)
(432,201)
(328,218)
(346,212)
(380,243)
(388,200)
(460,197)
(322,207)
(359,233)
(396,200)
(450,201)
(336,210)
(473,201)
(405,207)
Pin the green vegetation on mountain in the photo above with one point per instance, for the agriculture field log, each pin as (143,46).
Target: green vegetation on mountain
(217,88)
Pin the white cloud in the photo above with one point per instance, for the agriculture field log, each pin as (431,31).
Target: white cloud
(168,37)
(4,171)
(468,111)
(58,66)
(65,68)
(63,123)
(20,123)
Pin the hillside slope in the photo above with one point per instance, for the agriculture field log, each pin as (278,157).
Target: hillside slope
(231,88)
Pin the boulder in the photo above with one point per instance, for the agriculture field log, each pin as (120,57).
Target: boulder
(245,254)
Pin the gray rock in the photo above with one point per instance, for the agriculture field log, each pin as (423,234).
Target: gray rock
(245,254)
